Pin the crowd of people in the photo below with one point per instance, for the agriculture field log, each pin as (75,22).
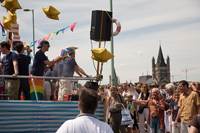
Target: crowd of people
(154,109)
(162,109)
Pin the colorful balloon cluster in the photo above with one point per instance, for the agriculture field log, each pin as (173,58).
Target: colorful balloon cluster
(11,22)
(12,6)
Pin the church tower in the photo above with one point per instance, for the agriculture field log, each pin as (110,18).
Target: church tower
(160,70)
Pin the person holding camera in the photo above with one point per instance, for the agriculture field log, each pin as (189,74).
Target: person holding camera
(23,67)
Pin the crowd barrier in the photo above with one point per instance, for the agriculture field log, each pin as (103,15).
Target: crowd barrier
(41,116)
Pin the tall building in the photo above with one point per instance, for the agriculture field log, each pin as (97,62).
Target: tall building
(144,79)
(160,70)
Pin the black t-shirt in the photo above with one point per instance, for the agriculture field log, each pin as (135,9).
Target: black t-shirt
(23,64)
(7,62)
(174,105)
(195,122)
(38,64)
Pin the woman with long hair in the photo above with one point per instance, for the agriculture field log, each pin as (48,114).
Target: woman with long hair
(143,111)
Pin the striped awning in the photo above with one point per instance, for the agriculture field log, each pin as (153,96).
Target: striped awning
(41,116)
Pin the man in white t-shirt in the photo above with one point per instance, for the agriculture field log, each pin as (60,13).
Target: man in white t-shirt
(86,122)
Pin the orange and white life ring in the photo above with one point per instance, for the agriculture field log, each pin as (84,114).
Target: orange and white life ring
(118,27)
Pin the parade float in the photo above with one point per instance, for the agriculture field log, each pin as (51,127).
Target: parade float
(48,116)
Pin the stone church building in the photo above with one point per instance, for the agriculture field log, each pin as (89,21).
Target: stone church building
(160,70)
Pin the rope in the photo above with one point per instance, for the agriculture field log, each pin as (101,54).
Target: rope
(101,68)
(102,62)
(100,44)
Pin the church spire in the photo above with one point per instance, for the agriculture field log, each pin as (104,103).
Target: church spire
(160,59)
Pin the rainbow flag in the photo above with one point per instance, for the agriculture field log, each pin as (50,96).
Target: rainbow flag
(56,91)
(39,88)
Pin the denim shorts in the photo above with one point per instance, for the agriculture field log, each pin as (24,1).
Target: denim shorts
(155,125)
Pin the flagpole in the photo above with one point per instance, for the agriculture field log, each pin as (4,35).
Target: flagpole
(112,51)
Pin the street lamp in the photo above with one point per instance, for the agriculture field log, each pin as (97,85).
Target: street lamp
(27,10)
(112,51)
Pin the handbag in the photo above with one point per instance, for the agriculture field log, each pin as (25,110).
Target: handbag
(126,117)
(141,109)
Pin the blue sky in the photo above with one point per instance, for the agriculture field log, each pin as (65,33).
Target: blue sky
(144,24)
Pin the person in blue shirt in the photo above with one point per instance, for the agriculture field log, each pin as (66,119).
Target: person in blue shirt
(10,64)
(69,67)
(173,108)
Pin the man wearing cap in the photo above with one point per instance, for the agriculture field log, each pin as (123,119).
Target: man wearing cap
(69,66)
(39,63)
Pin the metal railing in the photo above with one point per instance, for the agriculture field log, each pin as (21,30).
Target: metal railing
(45,77)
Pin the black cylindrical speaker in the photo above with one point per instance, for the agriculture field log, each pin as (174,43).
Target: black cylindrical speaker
(97,23)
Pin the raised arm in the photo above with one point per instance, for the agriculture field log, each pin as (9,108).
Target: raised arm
(139,98)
